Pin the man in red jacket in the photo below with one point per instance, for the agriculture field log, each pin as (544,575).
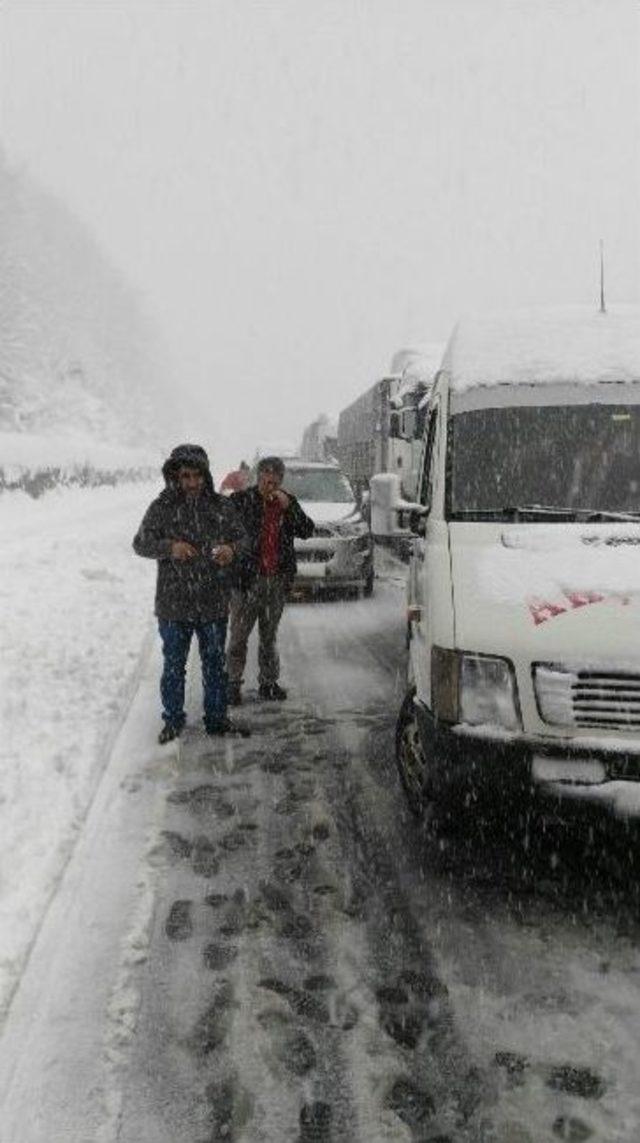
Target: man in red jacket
(265,571)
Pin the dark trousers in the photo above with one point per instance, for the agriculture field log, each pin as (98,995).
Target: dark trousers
(176,640)
(264,602)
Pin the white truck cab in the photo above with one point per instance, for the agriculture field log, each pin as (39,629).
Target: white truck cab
(524,579)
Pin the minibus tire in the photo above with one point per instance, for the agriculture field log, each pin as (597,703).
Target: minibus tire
(410,756)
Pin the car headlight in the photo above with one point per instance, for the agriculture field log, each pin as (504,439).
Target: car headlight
(473,688)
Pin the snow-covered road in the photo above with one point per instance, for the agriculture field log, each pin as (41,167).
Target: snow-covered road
(253,941)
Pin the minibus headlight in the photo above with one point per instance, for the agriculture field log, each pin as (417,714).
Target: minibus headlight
(488,692)
(474,689)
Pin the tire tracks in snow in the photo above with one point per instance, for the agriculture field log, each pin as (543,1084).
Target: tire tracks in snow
(431,1084)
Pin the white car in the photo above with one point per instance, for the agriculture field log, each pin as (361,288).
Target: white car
(524,583)
(340,554)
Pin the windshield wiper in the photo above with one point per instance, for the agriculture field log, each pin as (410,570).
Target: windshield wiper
(595,514)
(514,512)
(545,510)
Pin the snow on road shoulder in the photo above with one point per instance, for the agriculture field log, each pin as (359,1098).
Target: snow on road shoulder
(75,608)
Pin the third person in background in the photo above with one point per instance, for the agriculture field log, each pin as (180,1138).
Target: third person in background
(237,480)
(272,518)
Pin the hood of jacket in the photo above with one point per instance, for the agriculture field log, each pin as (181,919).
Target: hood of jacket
(191,456)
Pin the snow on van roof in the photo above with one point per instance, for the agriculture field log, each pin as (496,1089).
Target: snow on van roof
(419,371)
(561,344)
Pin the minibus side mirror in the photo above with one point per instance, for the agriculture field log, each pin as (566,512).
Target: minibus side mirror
(391,514)
(418,521)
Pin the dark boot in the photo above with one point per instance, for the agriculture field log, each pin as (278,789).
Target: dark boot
(271,692)
(168,733)
(225,726)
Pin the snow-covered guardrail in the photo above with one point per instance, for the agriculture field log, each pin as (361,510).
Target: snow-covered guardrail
(35,463)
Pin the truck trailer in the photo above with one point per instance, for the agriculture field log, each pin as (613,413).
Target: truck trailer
(382,429)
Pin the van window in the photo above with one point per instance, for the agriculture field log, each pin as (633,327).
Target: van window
(426,480)
(569,457)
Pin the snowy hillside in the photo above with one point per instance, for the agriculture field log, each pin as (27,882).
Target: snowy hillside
(76,351)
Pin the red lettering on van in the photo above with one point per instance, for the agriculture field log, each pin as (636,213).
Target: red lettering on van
(542,610)
(583,598)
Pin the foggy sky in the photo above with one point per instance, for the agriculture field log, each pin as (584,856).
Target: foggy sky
(301,187)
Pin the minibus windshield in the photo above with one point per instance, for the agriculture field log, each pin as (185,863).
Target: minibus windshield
(545,462)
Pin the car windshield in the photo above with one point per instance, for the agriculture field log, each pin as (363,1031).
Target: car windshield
(567,460)
(327,485)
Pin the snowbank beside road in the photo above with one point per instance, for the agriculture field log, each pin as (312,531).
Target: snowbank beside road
(75,605)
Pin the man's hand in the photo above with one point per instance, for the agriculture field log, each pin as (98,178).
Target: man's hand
(222,555)
(181,550)
(282,499)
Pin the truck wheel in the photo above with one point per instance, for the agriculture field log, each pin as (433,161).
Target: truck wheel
(414,767)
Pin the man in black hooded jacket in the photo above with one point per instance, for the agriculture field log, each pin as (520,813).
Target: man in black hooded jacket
(196,536)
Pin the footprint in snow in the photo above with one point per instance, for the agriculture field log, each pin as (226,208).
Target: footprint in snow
(177,845)
(571,1129)
(230,1109)
(273,765)
(216,900)
(567,1078)
(212,1028)
(276,899)
(203,799)
(289,1046)
(218,957)
(319,982)
(315,1122)
(576,1081)
(204,861)
(400,1019)
(235,838)
(302,1003)
(178,925)
(412,1105)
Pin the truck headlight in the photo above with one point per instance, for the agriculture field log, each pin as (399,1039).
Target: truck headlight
(473,688)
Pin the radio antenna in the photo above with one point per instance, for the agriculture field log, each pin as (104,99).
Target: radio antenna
(602,305)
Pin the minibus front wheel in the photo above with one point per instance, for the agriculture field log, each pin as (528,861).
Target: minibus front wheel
(412,760)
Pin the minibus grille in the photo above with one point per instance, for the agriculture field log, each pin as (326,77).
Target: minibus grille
(597,698)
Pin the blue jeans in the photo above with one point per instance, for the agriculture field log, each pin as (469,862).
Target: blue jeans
(176,640)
